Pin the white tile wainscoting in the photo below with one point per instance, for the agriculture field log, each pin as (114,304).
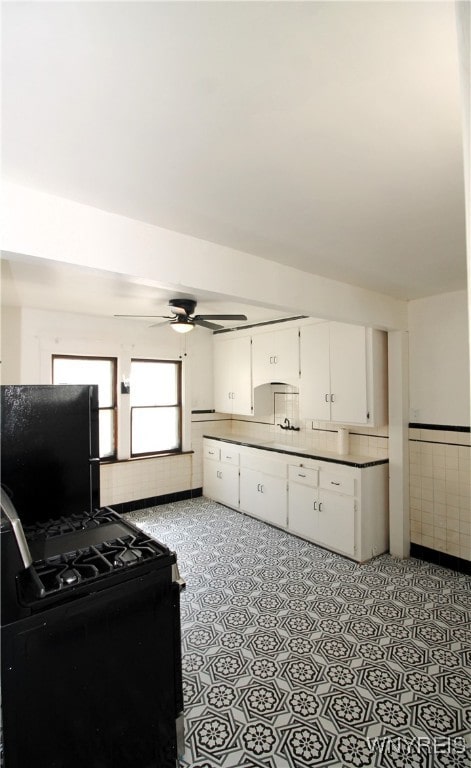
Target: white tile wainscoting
(440,489)
(159,476)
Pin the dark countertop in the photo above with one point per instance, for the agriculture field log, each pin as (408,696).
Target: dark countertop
(350,460)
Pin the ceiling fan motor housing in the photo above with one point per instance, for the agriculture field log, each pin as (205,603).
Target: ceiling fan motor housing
(188,305)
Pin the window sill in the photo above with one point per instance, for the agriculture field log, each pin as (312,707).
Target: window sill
(147,456)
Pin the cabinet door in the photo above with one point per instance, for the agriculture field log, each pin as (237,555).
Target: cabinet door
(222,375)
(314,386)
(336,529)
(241,363)
(348,375)
(263,496)
(303,511)
(249,490)
(273,505)
(232,375)
(275,357)
(221,483)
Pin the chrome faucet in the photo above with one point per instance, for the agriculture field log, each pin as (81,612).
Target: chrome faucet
(287,425)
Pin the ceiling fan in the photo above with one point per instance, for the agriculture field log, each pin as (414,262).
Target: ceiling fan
(183,320)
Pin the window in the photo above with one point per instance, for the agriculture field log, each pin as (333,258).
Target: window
(155,407)
(67,369)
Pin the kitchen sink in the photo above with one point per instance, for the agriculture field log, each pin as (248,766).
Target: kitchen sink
(284,447)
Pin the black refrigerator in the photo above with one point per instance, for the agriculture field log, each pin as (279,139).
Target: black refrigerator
(91,667)
(50,449)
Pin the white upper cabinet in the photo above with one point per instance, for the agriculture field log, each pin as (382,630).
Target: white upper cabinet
(343,374)
(233,374)
(275,357)
(314,387)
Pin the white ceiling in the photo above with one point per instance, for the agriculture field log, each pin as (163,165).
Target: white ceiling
(323,135)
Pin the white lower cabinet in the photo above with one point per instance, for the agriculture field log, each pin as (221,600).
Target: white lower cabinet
(263,496)
(337,522)
(319,514)
(263,485)
(221,473)
(303,508)
(341,507)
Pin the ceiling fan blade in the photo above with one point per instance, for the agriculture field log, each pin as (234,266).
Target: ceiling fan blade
(168,317)
(220,317)
(212,326)
(156,325)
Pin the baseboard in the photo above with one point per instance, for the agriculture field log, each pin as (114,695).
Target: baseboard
(440,558)
(155,501)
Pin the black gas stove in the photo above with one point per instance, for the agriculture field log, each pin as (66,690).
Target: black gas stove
(90,607)
(75,555)
(80,550)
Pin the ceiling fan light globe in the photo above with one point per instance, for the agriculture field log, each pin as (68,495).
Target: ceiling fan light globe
(182,327)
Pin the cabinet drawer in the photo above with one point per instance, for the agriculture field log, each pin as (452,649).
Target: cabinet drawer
(211,451)
(337,482)
(303,475)
(229,455)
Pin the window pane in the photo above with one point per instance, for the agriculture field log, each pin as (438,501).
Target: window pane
(86,371)
(154,383)
(106,422)
(154,430)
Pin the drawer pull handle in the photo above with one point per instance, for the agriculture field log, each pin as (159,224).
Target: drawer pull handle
(320,506)
(211,453)
(332,482)
(300,475)
(315,506)
(327,398)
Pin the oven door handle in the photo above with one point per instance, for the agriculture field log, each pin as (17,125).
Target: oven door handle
(17,527)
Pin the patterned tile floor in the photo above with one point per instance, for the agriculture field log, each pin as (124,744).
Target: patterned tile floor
(295,657)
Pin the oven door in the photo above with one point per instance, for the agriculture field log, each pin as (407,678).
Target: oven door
(96,682)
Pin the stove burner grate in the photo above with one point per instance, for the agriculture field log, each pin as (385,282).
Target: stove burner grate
(75,522)
(69,569)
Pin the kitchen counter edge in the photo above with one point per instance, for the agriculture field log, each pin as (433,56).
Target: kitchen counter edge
(354,461)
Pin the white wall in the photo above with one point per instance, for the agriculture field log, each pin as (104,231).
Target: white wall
(29,339)
(439,360)
(10,345)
